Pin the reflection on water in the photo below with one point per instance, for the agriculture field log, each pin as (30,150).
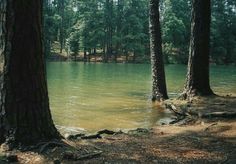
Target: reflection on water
(113,96)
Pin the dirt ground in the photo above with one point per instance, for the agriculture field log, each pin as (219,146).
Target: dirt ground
(205,140)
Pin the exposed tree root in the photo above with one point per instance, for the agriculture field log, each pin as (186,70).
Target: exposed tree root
(175,110)
(186,112)
(210,126)
(44,146)
(48,145)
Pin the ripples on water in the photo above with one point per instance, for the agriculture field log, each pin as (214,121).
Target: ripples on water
(116,96)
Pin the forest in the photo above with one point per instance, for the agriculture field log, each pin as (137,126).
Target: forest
(117,30)
(117,81)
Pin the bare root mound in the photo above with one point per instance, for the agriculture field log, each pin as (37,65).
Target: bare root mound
(211,107)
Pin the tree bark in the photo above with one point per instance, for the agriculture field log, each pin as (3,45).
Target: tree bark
(197,82)
(25,116)
(3,4)
(159,91)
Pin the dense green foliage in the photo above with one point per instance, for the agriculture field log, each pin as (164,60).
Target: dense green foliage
(118,30)
(223,39)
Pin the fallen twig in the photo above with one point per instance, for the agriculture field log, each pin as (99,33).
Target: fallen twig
(210,126)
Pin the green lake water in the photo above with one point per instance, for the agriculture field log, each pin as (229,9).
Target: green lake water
(117,96)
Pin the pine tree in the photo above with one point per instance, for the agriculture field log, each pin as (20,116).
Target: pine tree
(25,116)
(197,82)
(159,91)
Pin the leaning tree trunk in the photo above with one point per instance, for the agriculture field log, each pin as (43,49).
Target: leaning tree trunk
(159,91)
(25,117)
(197,83)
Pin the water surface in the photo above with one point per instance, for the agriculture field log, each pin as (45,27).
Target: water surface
(116,96)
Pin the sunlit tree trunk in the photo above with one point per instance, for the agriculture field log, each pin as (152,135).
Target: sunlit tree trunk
(197,82)
(159,91)
(24,105)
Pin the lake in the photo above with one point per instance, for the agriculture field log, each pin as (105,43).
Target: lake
(117,96)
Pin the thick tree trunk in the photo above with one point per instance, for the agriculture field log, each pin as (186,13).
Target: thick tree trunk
(24,105)
(159,91)
(197,82)
(3,4)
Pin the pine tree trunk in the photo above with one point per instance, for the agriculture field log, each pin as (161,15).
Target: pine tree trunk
(24,107)
(159,91)
(197,82)
(3,4)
